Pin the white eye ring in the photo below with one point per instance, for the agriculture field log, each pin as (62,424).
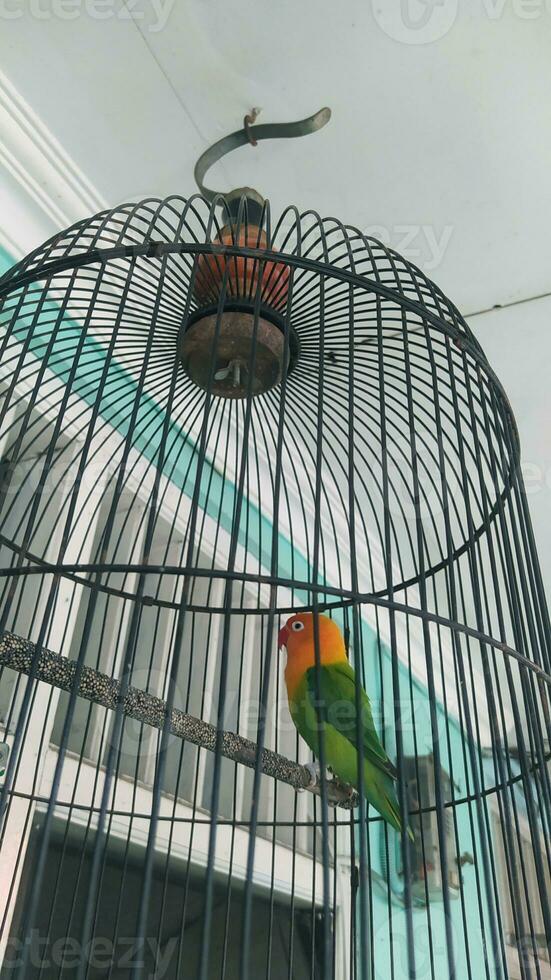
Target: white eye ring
(297,626)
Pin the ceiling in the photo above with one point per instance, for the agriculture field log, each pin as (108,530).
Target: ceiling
(440,148)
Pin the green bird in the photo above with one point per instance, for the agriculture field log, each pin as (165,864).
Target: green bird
(337,711)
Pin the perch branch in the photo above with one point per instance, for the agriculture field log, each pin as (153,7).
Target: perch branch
(18,654)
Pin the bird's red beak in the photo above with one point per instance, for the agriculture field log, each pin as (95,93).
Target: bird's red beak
(283,636)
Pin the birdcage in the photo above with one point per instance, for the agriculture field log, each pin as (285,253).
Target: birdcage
(211,423)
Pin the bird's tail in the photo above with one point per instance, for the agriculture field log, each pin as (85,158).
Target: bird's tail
(391,812)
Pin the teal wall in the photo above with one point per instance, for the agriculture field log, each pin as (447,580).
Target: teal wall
(180,466)
(469,916)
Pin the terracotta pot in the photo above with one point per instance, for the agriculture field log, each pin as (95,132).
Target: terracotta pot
(243,273)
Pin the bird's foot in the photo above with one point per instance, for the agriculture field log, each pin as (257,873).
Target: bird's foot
(345,792)
(315,774)
(314,771)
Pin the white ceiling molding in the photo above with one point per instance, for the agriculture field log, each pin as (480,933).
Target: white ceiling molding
(44,189)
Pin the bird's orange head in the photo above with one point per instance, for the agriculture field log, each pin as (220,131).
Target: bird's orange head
(298,633)
(298,637)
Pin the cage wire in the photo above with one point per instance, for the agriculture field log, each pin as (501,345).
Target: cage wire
(204,430)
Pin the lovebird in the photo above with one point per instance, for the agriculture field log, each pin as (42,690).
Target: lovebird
(337,691)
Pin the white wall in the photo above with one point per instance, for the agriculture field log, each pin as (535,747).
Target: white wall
(517,341)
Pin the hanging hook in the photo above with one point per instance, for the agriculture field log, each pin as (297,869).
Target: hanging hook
(249,121)
(253,134)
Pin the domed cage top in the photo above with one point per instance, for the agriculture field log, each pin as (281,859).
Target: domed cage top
(206,428)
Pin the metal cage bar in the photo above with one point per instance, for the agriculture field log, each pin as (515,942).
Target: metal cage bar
(205,430)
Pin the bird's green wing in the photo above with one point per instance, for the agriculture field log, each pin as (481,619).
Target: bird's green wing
(337,691)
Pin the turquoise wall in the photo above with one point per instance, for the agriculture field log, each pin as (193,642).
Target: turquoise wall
(388,924)
(469,912)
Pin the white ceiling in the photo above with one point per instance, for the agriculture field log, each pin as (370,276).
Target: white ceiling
(449,138)
(441,148)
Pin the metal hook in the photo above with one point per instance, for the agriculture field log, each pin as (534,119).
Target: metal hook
(253,134)
(249,121)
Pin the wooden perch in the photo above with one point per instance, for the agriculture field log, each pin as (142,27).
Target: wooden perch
(18,654)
